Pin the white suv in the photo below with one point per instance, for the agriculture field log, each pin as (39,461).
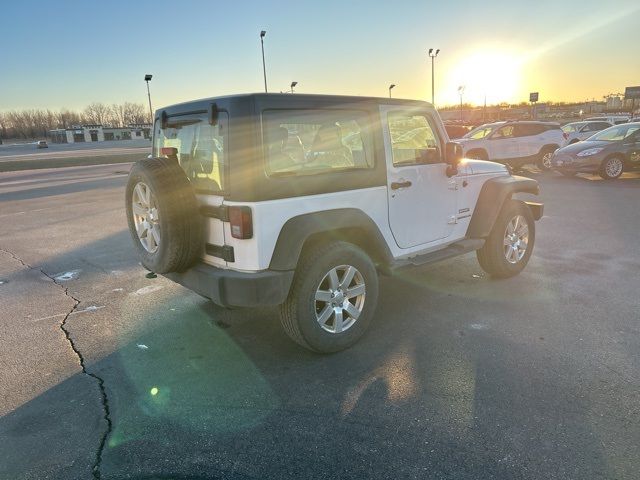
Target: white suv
(514,143)
(301,200)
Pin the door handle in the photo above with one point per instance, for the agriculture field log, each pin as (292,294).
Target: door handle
(398,185)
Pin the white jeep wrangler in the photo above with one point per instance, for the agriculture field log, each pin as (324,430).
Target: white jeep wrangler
(301,200)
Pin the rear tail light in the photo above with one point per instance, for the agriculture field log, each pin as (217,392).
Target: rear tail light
(241,222)
(169,151)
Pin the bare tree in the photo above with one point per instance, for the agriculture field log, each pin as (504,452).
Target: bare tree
(118,115)
(97,113)
(135,113)
(66,118)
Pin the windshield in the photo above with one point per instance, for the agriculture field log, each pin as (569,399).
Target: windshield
(198,146)
(481,131)
(615,134)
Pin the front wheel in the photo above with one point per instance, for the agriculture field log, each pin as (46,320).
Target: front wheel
(510,243)
(544,162)
(332,299)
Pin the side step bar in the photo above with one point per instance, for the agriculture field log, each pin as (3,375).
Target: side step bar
(453,250)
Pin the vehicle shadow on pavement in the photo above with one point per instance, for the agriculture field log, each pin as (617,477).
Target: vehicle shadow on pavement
(433,391)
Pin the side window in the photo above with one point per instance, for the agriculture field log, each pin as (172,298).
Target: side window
(413,140)
(600,126)
(524,130)
(504,132)
(198,147)
(306,142)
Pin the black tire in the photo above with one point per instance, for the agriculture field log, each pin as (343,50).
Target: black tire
(605,171)
(181,238)
(544,159)
(298,314)
(492,256)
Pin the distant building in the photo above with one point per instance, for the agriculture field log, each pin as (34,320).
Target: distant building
(99,133)
(614,103)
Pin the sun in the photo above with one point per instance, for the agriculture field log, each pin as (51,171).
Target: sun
(484,73)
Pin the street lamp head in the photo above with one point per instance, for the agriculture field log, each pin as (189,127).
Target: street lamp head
(263,33)
(434,53)
(147,77)
(430,51)
(392,86)
(437,52)
(293,84)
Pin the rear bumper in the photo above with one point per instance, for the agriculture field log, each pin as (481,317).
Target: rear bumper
(236,289)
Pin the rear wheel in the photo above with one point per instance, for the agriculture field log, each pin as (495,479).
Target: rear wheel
(510,243)
(611,168)
(332,299)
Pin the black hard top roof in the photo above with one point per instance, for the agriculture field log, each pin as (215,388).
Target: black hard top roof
(300,97)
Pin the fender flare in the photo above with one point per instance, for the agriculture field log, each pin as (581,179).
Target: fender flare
(492,196)
(297,230)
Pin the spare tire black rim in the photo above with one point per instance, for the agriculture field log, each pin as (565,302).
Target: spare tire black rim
(146,217)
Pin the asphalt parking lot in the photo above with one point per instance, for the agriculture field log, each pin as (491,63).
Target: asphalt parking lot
(109,374)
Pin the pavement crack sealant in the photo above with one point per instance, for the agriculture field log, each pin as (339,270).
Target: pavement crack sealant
(63,326)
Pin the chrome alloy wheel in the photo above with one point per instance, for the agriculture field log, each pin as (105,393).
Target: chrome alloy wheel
(339,299)
(546,160)
(613,167)
(516,239)
(145,217)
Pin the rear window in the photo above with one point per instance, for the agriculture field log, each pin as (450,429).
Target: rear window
(309,142)
(571,127)
(199,148)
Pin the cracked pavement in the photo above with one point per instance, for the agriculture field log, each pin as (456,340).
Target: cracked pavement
(109,374)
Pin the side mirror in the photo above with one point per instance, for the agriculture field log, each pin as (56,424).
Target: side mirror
(454,154)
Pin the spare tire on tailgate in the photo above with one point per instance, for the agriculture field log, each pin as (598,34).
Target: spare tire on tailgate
(162,211)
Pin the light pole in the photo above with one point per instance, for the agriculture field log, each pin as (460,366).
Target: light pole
(293,84)
(147,78)
(433,54)
(460,92)
(391,87)
(264,67)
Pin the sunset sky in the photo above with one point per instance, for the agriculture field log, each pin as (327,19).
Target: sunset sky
(67,54)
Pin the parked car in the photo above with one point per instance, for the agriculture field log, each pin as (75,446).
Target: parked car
(42,144)
(612,119)
(514,143)
(608,153)
(225,209)
(578,131)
